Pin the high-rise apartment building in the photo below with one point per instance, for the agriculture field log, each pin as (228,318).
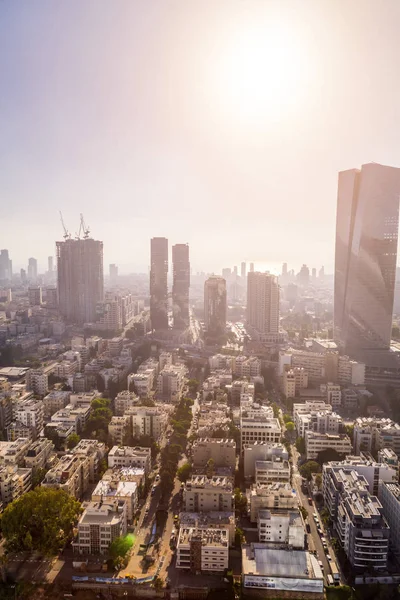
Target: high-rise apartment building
(5,266)
(243,270)
(263,303)
(113,270)
(32,269)
(180,285)
(215,305)
(365,259)
(50,264)
(80,279)
(158,283)
(251,267)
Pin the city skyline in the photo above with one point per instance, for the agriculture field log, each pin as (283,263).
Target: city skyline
(91,128)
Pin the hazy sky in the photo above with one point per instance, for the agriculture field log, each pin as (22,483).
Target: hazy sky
(221,124)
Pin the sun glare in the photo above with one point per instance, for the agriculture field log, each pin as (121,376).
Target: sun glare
(261,74)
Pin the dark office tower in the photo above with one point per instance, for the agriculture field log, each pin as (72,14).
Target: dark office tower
(263,303)
(251,267)
(215,305)
(32,269)
(180,285)
(365,259)
(243,270)
(158,283)
(5,266)
(80,279)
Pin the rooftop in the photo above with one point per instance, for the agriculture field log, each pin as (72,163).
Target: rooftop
(217,538)
(259,559)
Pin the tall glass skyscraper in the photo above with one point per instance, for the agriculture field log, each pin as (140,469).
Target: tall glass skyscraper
(180,285)
(158,283)
(365,259)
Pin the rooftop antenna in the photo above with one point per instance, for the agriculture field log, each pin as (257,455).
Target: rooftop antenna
(67,235)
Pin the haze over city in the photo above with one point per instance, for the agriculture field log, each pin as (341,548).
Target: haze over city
(220,123)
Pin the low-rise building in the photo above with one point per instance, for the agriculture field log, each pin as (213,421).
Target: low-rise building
(99,525)
(125,491)
(14,482)
(202,550)
(222,451)
(261,451)
(94,451)
(390,498)
(151,421)
(317,442)
(13,453)
(276,495)
(388,456)
(30,413)
(210,520)
(124,401)
(39,453)
(202,494)
(54,401)
(277,573)
(282,527)
(127,456)
(170,383)
(259,429)
(374,472)
(119,429)
(16,430)
(372,434)
(71,474)
(142,383)
(270,471)
(333,395)
(73,416)
(37,381)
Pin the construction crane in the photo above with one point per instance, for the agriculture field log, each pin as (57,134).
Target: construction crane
(86,230)
(67,235)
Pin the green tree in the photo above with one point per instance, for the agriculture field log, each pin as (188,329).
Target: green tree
(275,410)
(73,440)
(304,512)
(318,481)
(309,468)
(239,537)
(301,445)
(287,418)
(37,477)
(158,583)
(193,385)
(327,455)
(120,547)
(41,520)
(210,467)
(184,472)
(240,501)
(290,426)
(350,431)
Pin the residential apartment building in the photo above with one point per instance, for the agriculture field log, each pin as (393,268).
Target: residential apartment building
(14,482)
(39,453)
(142,383)
(323,366)
(75,417)
(124,401)
(124,491)
(203,494)
(390,499)
(170,383)
(99,525)
(374,472)
(333,395)
(202,550)
(180,286)
(259,429)
(119,429)
(261,451)
(243,366)
(278,495)
(158,283)
(151,421)
(272,471)
(30,413)
(373,434)
(281,527)
(222,451)
(289,384)
(37,382)
(13,453)
(35,296)
(126,456)
(389,457)
(317,442)
(71,474)
(94,451)
(54,401)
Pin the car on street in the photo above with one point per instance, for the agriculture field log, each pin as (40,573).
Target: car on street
(157,477)
(310,501)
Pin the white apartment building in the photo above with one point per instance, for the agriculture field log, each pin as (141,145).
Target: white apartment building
(142,383)
(202,550)
(150,421)
(243,366)
(271,471)
(71,474)
(115,346)
(124,491)
(219,362)
(94,451)
(13,453)
(319,422)
(165,360)
(170,383)
(333,395)
(70,416)
(37,381)
(126,456)
(278,495)
(239,387)
(317,442)
(124,401)
(289,384)
(324,366)
(281,527)
(54,401)
(119,429)
(39,453)
(99,525)
(259,429)
(350,372)
(221,451)
(261,451)
(204,494)
(372,434)
(390,499)
(374,472)
(389,457)
(66,369)
(14,482)
(30,413)
(16,430)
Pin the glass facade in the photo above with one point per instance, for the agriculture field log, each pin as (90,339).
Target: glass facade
(365,258)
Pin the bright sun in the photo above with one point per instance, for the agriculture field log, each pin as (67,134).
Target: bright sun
(261,74)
